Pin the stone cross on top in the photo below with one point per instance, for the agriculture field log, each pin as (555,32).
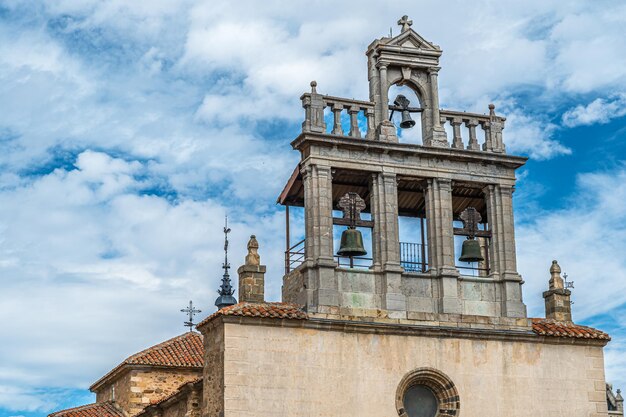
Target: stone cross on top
(405,23)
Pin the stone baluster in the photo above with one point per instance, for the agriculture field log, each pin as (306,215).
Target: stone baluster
(337,109)
(313,104)
(371,128)
(353,111)
(495,126)
(473,142)
(487,145)
(457,140)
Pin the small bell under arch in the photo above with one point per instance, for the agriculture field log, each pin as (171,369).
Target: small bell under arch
(407,122)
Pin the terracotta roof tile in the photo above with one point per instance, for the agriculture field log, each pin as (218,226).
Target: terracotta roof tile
(548,327)
(103,409)
(184,350)
(265,310)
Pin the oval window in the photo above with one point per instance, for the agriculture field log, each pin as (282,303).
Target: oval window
(419,401)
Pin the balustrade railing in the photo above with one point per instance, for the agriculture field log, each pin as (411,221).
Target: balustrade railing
(315,104)
(491,125)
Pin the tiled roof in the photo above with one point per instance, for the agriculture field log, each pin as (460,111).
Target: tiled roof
(103,409)
(548,327)
(266,310)
(185,350)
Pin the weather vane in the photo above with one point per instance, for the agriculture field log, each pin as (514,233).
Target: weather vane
(226,291)
(191,311)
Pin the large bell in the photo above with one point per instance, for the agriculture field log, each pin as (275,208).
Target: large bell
(470,252)
(406,122)
(351,243)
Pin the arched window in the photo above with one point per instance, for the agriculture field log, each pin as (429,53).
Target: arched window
(427,392)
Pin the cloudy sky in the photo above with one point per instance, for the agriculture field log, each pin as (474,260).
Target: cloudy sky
(129,129)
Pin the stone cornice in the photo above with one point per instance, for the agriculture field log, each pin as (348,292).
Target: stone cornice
(330,140)
(365,327)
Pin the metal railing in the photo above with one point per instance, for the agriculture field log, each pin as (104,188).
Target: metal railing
(413,257)
(294,256)
(360,262)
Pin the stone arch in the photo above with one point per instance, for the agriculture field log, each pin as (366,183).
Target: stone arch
(417,81)
(439,383)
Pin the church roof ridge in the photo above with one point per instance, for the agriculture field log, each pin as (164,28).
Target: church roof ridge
(102,409)
(277,310)
(182,351)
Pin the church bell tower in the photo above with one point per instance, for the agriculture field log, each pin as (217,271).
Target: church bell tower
(456,263)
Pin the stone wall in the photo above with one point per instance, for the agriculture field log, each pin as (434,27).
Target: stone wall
(153,384)
(213,375)
(272,370)
(137,388)
(118,389)
(293,290)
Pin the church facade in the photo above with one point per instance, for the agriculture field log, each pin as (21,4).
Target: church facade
(376,325)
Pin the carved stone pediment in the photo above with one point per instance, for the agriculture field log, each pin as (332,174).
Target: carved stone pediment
(411,39)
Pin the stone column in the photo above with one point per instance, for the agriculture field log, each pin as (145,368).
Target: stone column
(503,262)
(318,208)
(557,298)
(252,275)
(386,240)
(437,136)
(320,277)
(441,243)
(383,105)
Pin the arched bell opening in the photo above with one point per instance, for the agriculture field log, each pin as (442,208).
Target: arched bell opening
(408,123)
(472,236)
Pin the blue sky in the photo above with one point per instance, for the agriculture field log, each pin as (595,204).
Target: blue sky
(129,129)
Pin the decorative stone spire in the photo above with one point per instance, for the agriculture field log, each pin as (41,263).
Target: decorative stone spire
(557,298)
(252,275)
(226,291)
(556,282)
(619,400)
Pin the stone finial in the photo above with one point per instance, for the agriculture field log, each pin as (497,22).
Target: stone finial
(253,258)
(556,282)
(557,298)
(313,87)
(252,275)
(405,23)
(492,110)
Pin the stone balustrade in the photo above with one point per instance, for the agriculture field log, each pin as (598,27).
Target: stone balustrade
(315,104)
(490,124)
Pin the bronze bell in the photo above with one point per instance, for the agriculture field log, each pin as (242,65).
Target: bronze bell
(351,243)
(470,252)
(406,122)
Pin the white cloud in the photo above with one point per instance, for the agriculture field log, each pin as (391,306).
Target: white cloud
(106,103)
(598,111)
(587,238)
